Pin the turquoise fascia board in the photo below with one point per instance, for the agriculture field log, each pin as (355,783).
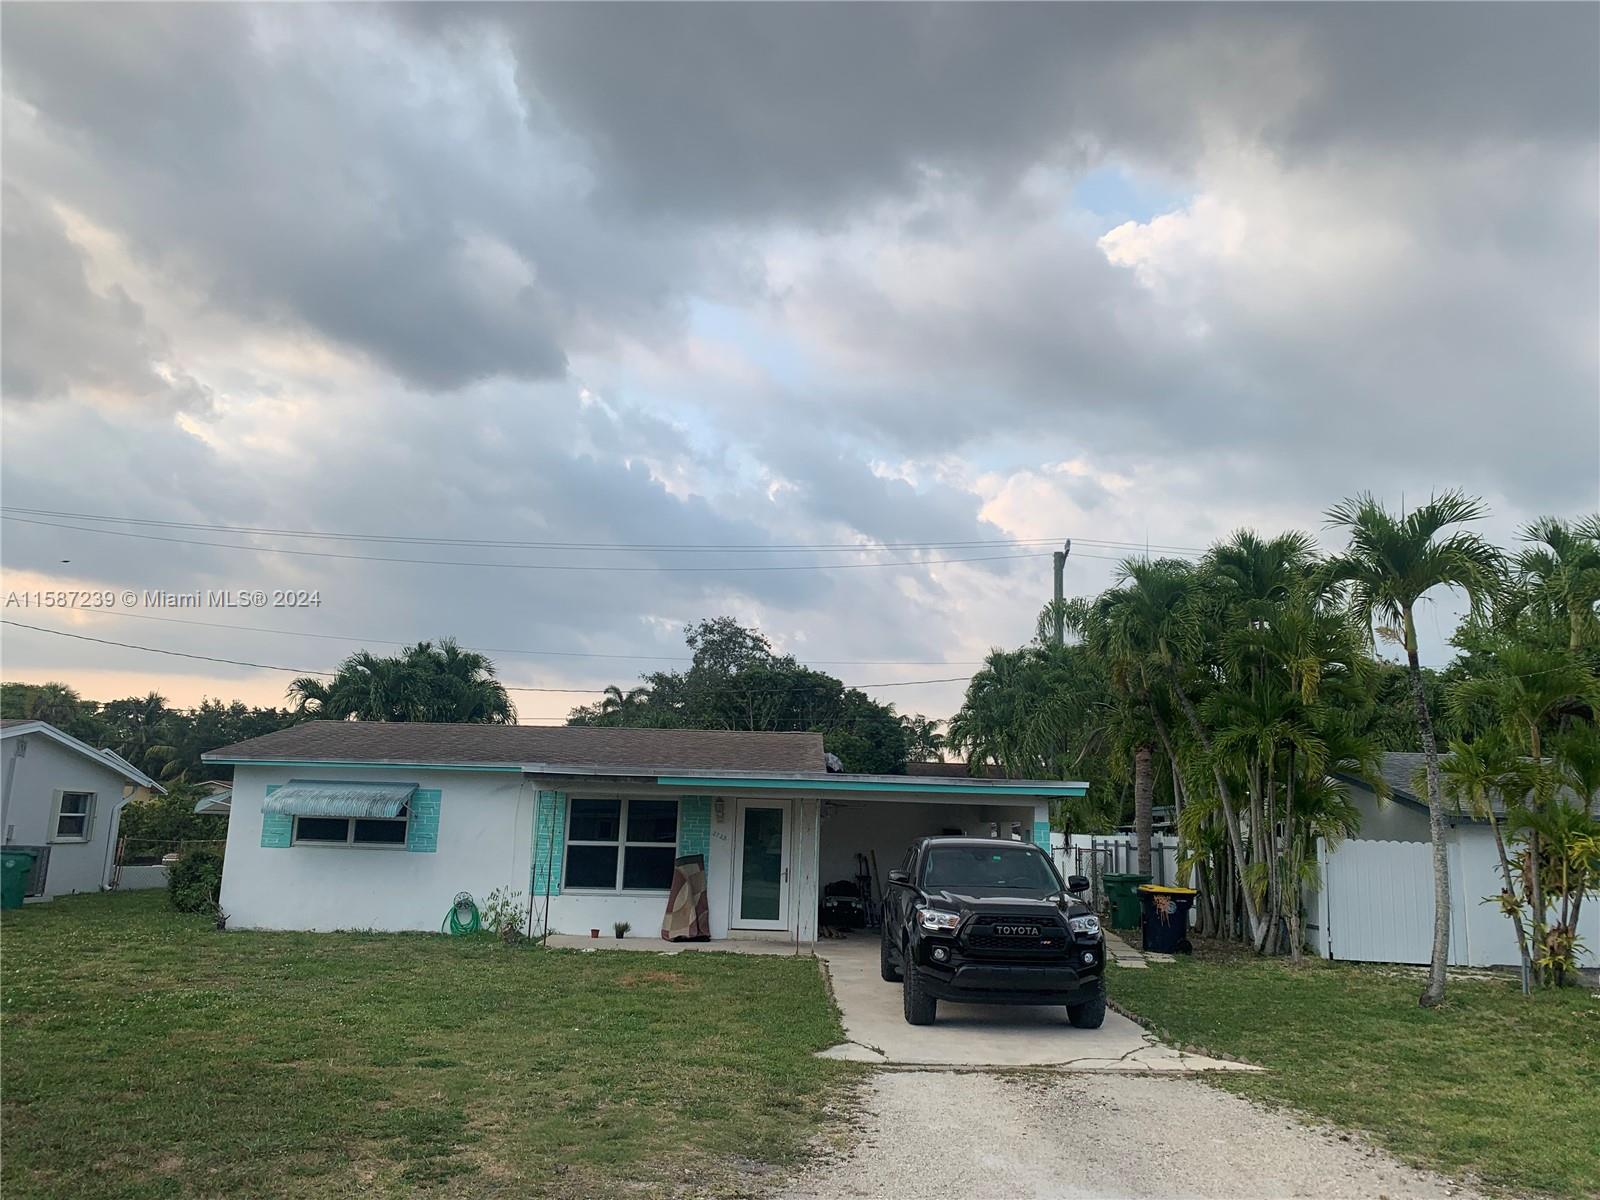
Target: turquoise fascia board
(365,766)
(942,787)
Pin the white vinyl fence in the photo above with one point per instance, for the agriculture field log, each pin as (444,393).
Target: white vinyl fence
(1376,904)
(1098,855)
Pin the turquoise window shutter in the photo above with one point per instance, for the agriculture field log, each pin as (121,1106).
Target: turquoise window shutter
(549,842)
(694,825)
(277,829)
(422,834)
(1041,834)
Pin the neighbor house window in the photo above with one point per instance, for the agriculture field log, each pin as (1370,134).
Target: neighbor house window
(74,811)
(621,845)
(352,831)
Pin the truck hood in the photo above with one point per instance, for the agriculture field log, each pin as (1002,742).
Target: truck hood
(1007,903)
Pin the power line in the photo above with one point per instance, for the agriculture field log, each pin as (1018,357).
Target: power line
(497,543)
(342,637)
(669,547)
(83,637)
(577,567)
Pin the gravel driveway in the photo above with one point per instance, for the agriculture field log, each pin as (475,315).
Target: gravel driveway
(955,1136)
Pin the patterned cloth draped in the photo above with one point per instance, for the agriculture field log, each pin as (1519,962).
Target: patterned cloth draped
(688,916)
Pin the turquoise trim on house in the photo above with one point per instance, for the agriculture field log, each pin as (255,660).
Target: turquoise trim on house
(1041,834)
(422,832)
(694,825)
(549,842)
(366,766)
(915,785)
(277,829)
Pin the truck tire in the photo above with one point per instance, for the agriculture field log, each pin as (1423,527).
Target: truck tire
(920,1008)
(1091,1014)
(886,967)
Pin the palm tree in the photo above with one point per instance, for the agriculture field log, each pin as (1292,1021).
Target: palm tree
(423,683)
(1390,564)
(1561,567)
(54,703)
(1528,686)
(1472,775)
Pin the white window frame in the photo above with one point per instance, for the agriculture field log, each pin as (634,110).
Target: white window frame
(57,811)
(621,843)
(350,842)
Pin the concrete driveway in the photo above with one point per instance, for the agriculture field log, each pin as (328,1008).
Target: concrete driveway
(968,1035)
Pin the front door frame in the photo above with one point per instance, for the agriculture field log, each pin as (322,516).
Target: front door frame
(786,806)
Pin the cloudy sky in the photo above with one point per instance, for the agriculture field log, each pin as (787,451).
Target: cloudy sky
(760,276)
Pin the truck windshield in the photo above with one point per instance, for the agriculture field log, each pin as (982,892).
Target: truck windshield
(981,869)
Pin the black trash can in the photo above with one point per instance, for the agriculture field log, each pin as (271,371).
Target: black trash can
(1164,918)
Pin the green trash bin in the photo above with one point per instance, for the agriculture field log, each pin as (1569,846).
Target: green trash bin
(1122,898)
(15,866)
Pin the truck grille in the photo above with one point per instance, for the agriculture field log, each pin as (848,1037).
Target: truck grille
(1000,933)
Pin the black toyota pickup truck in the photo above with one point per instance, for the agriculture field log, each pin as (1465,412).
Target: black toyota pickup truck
(984,921)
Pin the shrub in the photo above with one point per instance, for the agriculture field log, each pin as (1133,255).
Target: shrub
(194,881)
(503,914)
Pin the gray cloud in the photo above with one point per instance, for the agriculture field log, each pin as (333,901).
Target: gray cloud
(64,336)
(801,111)
(828,269)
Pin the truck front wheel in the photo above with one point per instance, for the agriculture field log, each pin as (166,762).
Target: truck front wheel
(920,1007)
(1091,1014)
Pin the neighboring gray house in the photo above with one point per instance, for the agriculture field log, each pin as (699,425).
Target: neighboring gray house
(1376,899)
(1405,817)
(64,798)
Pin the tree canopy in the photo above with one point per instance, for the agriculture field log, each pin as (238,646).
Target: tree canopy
(736,681)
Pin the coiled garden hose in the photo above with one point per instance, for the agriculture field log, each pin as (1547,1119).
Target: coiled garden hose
(463,916)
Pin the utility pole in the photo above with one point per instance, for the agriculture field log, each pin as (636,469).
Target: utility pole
(1057,617)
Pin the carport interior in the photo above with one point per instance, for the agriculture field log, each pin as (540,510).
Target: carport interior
(887,828)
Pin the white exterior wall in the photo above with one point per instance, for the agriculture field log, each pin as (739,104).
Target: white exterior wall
(45,768)
(485,841)
(142,878)
(580,912)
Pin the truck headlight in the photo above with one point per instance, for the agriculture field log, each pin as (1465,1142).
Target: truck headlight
(937,920)
(1088,926)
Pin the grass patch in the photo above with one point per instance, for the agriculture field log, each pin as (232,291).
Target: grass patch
(1503,1087)
(145,1054)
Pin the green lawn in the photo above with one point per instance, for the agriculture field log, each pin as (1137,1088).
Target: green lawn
(1491,1083)
(146,1054)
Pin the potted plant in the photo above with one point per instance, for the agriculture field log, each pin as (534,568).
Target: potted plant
(622,928)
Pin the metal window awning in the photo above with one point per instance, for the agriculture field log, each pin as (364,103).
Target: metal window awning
(311,798)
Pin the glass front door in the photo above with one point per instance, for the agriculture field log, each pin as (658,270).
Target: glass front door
(761,858)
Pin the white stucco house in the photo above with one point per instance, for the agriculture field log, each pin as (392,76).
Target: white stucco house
(62,798)
(371,825)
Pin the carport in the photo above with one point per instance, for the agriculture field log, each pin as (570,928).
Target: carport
(879,829)
(777,839)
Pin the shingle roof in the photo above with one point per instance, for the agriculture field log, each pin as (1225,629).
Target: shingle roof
(605,749)
(1399,769)
(955,770)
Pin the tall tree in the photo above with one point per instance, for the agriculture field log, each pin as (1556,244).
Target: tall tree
(425,682)
(736,681)
(1560,568)
(1392,561)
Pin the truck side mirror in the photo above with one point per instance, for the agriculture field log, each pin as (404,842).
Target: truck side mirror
(899,879)
(1077,884)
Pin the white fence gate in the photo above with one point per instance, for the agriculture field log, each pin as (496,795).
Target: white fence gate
(1376,904)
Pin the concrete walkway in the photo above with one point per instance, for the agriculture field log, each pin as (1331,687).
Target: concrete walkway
(968,1035)
(654,945)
